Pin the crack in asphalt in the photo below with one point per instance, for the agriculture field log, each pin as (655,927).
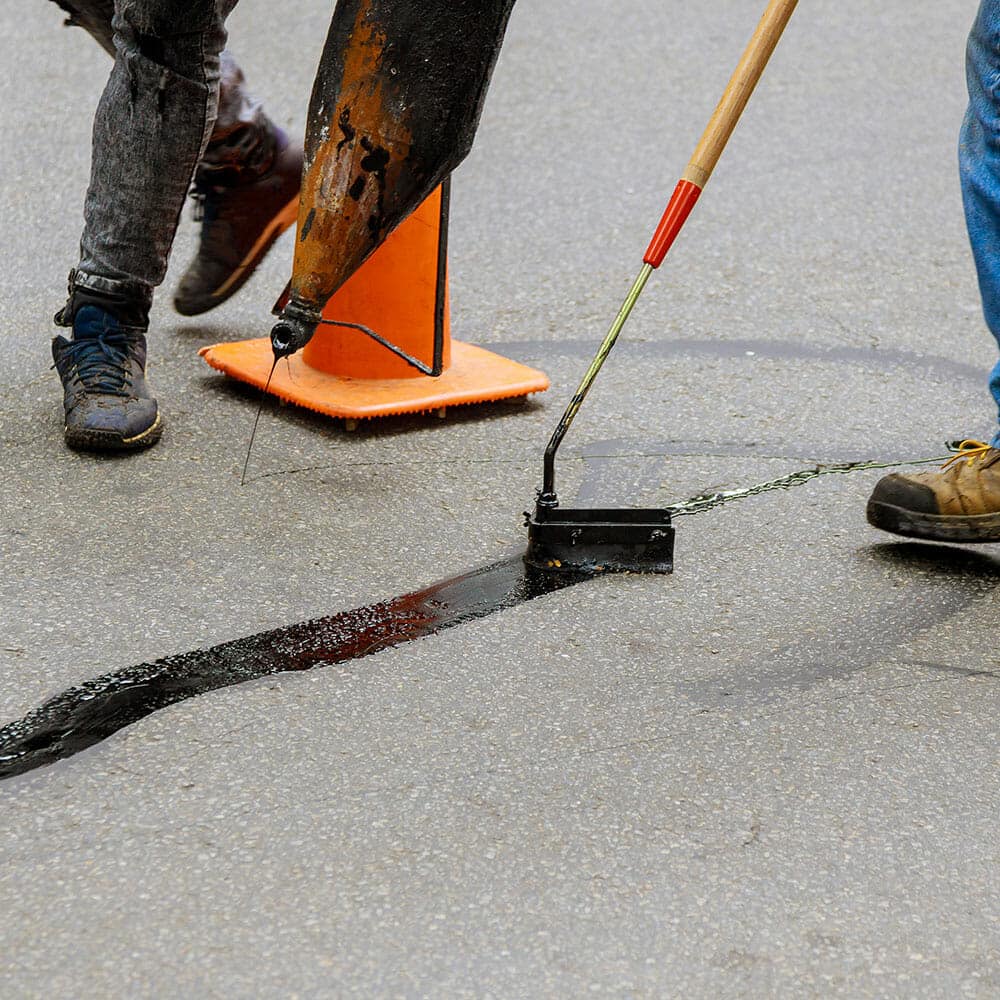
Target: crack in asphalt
(88,713)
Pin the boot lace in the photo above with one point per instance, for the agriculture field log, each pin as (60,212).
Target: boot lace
(197,204)
(210,209)
(970,450)
(202,202)
(102,363)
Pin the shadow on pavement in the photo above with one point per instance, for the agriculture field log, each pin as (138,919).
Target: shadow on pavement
(940,560)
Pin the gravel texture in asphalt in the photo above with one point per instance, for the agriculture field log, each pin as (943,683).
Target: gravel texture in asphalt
(772,773)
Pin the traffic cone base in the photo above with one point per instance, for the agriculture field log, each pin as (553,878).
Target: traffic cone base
(474,376)
(401,292)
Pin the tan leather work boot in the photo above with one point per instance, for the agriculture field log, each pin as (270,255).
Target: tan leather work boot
(958,503)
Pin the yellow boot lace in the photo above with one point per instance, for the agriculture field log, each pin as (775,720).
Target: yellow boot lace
(968,450)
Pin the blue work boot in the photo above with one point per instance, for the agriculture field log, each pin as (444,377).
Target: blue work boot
(242,213)
(107,402)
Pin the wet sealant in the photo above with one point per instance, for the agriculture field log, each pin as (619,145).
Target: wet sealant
(82,716)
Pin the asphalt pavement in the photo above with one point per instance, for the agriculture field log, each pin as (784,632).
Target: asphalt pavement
(773,773)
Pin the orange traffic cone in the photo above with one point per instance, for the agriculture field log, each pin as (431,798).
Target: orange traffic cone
(385,346)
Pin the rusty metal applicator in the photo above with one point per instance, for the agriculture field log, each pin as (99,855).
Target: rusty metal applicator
(631,540)
(394,109)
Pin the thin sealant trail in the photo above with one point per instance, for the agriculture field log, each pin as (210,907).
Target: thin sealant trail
(260,407)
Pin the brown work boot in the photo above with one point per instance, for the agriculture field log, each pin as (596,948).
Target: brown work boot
(958,503)
(241,215)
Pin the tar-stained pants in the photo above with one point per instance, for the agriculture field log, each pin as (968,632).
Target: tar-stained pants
(175,99)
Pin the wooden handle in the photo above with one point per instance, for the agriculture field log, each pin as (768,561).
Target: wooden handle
(720,128)
(738,90)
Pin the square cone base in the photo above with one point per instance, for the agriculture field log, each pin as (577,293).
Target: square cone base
(474,376)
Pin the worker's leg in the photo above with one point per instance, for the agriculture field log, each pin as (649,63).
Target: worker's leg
(248,176)
(239,113)
(152,123)
(961,502)
(979,164)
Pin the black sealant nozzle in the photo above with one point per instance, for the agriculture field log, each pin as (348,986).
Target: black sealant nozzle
(294,329)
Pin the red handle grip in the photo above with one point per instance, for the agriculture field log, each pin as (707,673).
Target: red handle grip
(678,209)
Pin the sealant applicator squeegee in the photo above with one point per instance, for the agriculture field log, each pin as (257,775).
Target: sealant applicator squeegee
(631,540)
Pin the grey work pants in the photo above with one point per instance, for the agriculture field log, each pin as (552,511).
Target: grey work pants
(174,98)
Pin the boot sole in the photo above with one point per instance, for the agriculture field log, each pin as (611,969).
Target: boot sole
(242,272)
(934,527)
(83,439)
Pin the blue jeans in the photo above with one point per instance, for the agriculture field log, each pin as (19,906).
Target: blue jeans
(979,166)
(175,99)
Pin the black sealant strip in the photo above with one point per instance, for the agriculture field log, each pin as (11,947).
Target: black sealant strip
(84,715)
